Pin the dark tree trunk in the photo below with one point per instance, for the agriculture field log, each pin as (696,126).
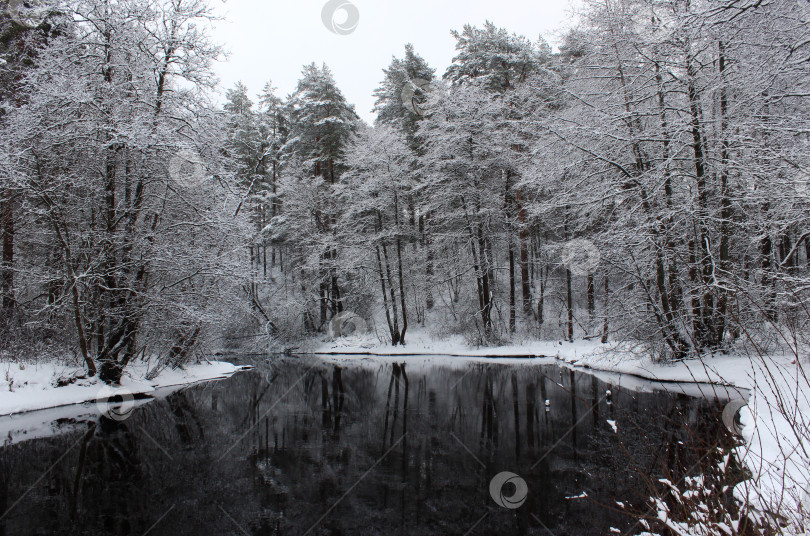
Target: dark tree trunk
(569,304)
(392,291)
(401,277)
(807,250)
(705,309)
(386,306)
(541,297)
(338,301)
(725,203)
(605,326)
(523,239)
(402,295)
(767,283)
(698,326)
(324,302)
(7,264)
(486,273)
(512,304)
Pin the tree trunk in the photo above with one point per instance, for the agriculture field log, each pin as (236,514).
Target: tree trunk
(569,304)
(706,305)
(424,221)
(7,264)
(392,291)
(485,290)
(401,278)
(541,297)
(390,323)
(768,281)
(607,310)
(511,287)
(725,202)
(523,238)
(402,295)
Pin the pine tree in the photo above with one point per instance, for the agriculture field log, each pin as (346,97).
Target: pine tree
(493,59)
(321,124)
(274,128)
(502,60)
(389,106)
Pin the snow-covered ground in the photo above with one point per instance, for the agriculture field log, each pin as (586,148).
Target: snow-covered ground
(29,387)
(421,342)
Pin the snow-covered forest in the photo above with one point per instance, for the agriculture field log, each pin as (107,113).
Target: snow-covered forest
(641,185)
(646,181)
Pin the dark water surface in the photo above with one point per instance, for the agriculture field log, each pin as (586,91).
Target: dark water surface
(306,446)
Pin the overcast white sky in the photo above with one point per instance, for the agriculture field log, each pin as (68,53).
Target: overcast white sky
(272,39)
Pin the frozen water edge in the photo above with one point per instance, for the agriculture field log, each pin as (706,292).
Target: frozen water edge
(27,387)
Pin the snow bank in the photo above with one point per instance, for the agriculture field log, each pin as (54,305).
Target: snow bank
(25,387)
(422,343)
(777,439)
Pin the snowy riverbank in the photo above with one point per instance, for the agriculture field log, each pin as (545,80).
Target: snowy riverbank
(30,387)
(732,370)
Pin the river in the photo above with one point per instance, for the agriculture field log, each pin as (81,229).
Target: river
(342,446)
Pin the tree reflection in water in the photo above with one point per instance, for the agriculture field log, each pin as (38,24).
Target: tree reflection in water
(364,448)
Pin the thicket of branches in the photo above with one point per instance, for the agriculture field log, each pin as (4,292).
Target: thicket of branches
(647,182)
(116,236)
